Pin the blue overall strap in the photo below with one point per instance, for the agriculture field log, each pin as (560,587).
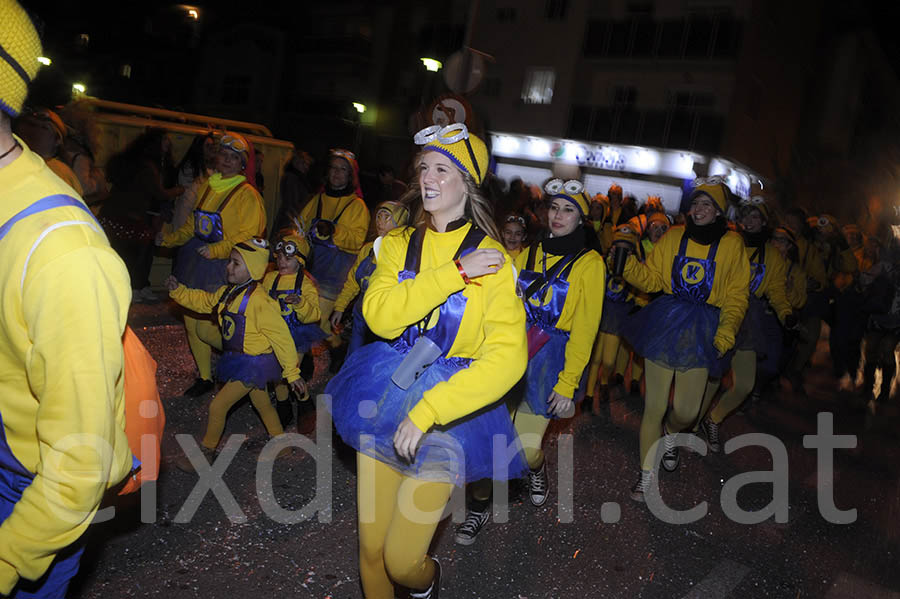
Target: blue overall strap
(710,253)
(760,253)
(414,250)
(244,300)
(223,301)
(298,282)
(547,278)
(54,201)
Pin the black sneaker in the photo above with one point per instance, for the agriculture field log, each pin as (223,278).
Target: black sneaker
(285,410)
(642,485)
(670,456)
(711,431)
(469,529)
(538,486)
(434,590)
(184,464)
(200,387)
(635,387)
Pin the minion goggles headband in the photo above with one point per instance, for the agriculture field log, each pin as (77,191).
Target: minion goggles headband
(446,136)
(289,249)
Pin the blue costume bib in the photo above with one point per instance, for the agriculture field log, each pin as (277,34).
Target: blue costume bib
(757,268)
(544,294)
(303,334)
(208,226)
(235,365)
(360,329)
(751,336)
(328,264)
(367,407)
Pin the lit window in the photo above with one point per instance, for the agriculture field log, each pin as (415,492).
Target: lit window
(538,88)
(84,39)
(126,71)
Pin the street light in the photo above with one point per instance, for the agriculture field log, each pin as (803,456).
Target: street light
(44,60)
(431,64)
(79,87)
(360,108)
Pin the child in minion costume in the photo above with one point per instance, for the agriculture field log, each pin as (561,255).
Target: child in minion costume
(257,344)
(336,221)
(686,333)
(760,332)
(514,233)
(388,216)
(229,210)
(422,428)
(295,291)
(558,277)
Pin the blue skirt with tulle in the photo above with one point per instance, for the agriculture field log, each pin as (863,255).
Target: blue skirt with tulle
(752,334)
(305,335)
(253,371)
(197,272)
(614,316)
(367,407)
(543,372)
(677,334)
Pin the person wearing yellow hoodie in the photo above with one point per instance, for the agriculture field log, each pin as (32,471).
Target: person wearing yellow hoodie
(65,297)
(256,341)
(229,210)
(336,221)
(514,233)
(760,332)
(388,216)
(295,291)
(424,410)
(688,332)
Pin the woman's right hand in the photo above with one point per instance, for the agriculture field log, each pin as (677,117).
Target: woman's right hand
(159,238)
(171,283)
(482,262)
(335,318)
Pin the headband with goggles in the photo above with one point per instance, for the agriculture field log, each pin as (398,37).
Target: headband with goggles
(512,218)
(571,191)
(450,141)
(342,153)
(289,249)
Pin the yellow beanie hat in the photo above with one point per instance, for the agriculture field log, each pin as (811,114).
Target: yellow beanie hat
(292,244)
(399,212)
(465,149)
(717,191)
(571,191)
(255,253)
(20,47)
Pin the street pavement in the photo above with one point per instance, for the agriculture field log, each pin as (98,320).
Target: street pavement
(590,540)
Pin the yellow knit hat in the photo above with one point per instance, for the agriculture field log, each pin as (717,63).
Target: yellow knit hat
(398,211)
(757,203)
(293,245)
(717,191)
(454,141)
(571,191)
(20,47)
(255,253)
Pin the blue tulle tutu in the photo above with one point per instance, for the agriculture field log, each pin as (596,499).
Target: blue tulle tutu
(677,334)
(543,372)
(614,316)
(768,361)
(367,408)
(305,335)
(751,335)
(359,332)
(197,272)
(253,371)
(330,267)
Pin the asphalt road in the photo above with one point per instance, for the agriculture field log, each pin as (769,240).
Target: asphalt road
(596,542)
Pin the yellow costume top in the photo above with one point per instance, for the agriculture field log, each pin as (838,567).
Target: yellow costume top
(351,286)
(812,263)
(774,280)
(731,282)
(492,331)
(795,285)
(514,254)
(350,229)
(265,331)
(242,218)
(580,314)
(307,309)
(65,297)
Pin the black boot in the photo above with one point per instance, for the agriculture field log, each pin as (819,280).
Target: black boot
(200,387)
(285,410)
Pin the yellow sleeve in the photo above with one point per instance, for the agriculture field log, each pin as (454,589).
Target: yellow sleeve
(74,368)
(776,279)
(351,287)
(500,362)
(655,273)
(796,287)
(388,306)
(267,315)
(245,217)
(814,265)
(182,235)
(307,309)
(732,263)
(350,231)
(197,300)
(585,306)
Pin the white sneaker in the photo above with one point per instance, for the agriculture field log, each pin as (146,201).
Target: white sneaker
(147,294)
(642,485)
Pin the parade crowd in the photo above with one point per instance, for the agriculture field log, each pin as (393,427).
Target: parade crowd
(455,312)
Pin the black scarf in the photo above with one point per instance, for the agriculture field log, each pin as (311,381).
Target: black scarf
(706,234)
(755,240)
(572,243)
(339,193)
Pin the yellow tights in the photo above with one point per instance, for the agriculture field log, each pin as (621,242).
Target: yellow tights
(743,366)
(202,337)
(398,515)
(603,356)
(229,395)
(528,423)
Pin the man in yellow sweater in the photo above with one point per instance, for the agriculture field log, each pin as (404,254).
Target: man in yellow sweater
(65,297)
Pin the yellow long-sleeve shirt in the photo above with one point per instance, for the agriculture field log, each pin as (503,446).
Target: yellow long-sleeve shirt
(351,287)
(812,263)
(265,331)
(307,309)
(731,283)
(773,282)
(492,331)
(580,315)
(242,218)
(65,297)
(350,231)
(795,285)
